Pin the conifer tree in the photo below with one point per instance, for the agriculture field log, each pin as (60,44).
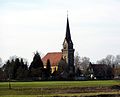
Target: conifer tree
(36,66)
(48,68)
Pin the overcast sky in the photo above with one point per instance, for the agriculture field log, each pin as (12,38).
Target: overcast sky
(27,26)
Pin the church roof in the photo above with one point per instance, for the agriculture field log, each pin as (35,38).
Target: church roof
(54,58)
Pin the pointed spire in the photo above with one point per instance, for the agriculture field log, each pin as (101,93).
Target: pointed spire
(68,36)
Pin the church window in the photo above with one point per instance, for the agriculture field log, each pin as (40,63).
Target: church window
(65,47)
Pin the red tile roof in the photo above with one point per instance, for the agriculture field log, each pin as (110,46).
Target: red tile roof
(54,58)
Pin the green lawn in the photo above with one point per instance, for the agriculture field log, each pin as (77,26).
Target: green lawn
(60,95)
(55,84)
(26,89)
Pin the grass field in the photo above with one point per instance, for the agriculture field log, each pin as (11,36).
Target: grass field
(54,88)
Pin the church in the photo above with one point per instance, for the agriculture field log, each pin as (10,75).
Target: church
(67,54)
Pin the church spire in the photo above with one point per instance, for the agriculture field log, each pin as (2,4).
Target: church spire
(68,35)
(68,51)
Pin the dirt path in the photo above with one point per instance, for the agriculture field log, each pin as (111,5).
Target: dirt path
(81,90)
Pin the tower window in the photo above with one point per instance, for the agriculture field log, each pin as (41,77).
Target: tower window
(65,47)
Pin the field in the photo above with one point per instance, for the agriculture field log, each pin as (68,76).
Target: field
(59,88)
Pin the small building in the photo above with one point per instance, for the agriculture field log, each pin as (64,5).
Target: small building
(101,71)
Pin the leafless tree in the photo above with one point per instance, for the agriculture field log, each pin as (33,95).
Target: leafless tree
(117,61)
(0,62)
(109,60)
(77,61)
(85,61)
(102,61)
(81,63)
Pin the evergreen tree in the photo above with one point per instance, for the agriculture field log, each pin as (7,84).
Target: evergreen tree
(22,71)
(48,68)
(2,75)
(13,69)
(16,69)
(7,69)
(36,66)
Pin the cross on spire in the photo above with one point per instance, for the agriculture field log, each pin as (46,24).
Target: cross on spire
(67,13)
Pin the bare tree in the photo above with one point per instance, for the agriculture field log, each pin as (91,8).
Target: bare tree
(102,61)
(117,61)
(0,62)
(109,60)
(77,61)
(81,63)
(85,61)
(13,57)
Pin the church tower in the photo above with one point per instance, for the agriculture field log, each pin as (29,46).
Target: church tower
(68,50)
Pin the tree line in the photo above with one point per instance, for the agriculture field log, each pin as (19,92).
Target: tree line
(18,68)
